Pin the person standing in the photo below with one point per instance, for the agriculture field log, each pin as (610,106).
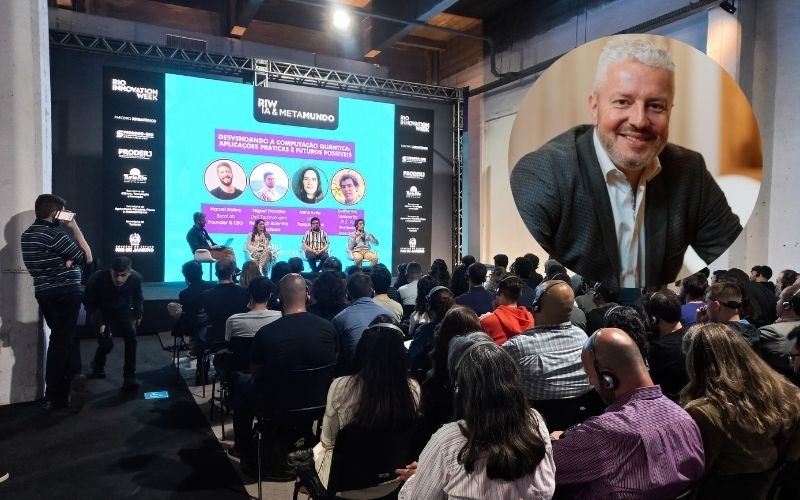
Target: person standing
(52,257)
(114,300)
(315,245)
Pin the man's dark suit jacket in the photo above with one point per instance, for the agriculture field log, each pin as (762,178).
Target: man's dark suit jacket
(562,197)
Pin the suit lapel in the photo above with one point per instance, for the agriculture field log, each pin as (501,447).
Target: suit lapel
(655,228)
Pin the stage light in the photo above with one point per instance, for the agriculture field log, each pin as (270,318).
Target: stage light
(727,6)
(238,31)
(341,20)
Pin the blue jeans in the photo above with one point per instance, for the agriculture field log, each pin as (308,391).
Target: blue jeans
(63,350)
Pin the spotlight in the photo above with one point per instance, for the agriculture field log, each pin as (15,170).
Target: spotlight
(728,6)
(341,20)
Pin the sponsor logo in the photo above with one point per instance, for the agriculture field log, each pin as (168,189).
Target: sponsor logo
(134,239)
(135,135)
(419,126)
(415,147)
(413,174)
(413,193)
(134,222)
(134,245)
(409,250)
(138,119)
(134,177)
(412,242)
(134,154)
(413,207)
(417,160)
(142,93)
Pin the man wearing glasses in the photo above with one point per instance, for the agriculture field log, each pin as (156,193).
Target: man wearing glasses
(723,303)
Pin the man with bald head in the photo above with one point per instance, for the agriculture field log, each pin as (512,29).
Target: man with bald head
(643,446)
(298,340)
(549,356)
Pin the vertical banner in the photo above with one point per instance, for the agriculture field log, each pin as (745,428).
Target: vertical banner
(413,182)
(133,165)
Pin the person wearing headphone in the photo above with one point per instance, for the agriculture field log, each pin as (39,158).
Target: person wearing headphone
(643,446)
(773,339)
(549,356)
(665,355)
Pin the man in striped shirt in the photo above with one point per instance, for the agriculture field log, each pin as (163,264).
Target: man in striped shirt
(53,257)
(315,245)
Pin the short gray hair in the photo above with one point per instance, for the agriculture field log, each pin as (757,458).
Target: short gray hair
(624,48)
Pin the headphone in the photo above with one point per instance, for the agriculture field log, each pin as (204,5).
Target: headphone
(790,304)
(607,379)
(541,290)
(390,326)
(651,316)
(430,295)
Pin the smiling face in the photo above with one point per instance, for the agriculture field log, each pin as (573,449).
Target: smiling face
(310,183)
(631,111)
(348,190)
(225,174)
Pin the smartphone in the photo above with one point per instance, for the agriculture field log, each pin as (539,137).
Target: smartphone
(65,215)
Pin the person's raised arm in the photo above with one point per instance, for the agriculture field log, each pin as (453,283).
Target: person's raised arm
(77,234)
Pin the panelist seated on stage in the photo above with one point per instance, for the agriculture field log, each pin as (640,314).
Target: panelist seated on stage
(315,245)
(358,245)
(199,239)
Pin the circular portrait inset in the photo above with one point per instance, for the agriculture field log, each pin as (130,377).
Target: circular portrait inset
(269,182)
(225,179)
(635,160)
(348,186)
(308,184)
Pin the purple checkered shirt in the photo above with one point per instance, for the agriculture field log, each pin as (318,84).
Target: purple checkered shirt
(643,446)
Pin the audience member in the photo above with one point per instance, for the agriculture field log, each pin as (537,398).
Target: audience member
(440,272)
(328,295)
(378,396)
(523,268)
(246,324)
(748,415)
(773,339)
(535,278)
(629,320)
(784,279)
(605,297)
(499,448)
(665,355)
(693,289)
(508,318)
(250,271)
(279,270)
(190,300)
(333,264)
(794,349)
(749,311)
(381,281)
(295,265)
(408,292)
(437,390)
(762,296)
(458,281)
(115,303)
(476,296)
(298,340)
(354,319)
(585,299)
(223,300)
(402,269)
(549,356)
(498,273)
(643,446)
(723,303)
(439,300)
(420,314)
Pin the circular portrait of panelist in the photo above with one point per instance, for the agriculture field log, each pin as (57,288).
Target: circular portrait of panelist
(348,186)
(225,179)
(269,182)
(308,183)
(635,160)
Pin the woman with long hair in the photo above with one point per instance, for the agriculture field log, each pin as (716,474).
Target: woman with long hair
(748,414)
(439,300)
(250,271)
(420,315)
(259,245)
(308,186)
(328,295)
(499,447)
(440,272)
(380,396)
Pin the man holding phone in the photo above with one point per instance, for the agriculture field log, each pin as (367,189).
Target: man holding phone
(52,257)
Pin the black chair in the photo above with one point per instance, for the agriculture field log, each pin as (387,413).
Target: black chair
(293,412)
(209,341)
(228,363)
(362,458)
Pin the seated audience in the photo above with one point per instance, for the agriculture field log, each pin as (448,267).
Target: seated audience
(402,277)
(440,272)
(629,320)
(246,324)
(437,390)
(523,268)
(333,264)
(498,448)
(295,265)
(439,300)
(279,270)
(381,281)
(774,342)
(498,273)
(723,305)
(665,355)
(328,295)
(605,297)
(643,446)
(508,318)
(535,278)
(748,415)
(549,356)
(762,295)
(223,300)
(585,299)
(420,314)
(458,281)
(408,292)
(784,279)
(378,396)
(693,288)
(354,319)
(190,300)
(297,340)
(794,349)
(250,271)
(476,296)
